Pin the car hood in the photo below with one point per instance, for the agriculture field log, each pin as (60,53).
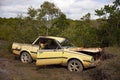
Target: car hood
(95,52)
(82,49)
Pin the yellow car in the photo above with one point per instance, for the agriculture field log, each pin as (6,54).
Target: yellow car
(49,50)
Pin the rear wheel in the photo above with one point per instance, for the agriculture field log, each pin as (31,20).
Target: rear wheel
(25,57)
(75,66)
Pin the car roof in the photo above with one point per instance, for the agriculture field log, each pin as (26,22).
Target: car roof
(59,39)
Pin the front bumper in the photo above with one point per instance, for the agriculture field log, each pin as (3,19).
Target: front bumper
(95,63)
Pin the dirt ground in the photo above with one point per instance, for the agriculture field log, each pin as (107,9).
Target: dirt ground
(15,70)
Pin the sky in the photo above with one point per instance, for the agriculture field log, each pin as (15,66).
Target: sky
(73,9)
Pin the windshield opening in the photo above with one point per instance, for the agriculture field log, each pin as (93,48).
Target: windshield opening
(66,44)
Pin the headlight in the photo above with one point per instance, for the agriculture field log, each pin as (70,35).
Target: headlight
(92,59)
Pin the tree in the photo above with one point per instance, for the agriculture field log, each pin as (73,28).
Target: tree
(47,12)
(31,19)
(112,28)
(86,17)
(99,12)
(60,24)
(32,13)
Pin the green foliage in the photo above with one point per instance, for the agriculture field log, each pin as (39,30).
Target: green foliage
(32,13)
(111,29)
(49,10)
(60,24)
(99,12)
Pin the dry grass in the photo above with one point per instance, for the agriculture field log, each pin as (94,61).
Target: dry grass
(109,68)
(5,49)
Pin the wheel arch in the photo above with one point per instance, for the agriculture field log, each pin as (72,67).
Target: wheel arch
(26,52)
(75,59)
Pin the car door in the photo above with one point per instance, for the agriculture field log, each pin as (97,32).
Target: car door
(50,55)
(33,50)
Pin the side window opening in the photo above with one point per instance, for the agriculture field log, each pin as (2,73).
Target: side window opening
(46,43)
(51,44)
(43,43)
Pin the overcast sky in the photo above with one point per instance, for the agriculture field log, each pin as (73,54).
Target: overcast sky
(73,9)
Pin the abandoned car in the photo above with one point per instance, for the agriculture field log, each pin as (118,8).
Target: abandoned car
(49,50)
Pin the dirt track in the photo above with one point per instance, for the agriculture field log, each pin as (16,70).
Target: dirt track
(15,70)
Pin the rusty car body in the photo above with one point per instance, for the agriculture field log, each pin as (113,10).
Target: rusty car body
(49,50)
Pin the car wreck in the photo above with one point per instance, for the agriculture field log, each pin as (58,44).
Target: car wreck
(49,50)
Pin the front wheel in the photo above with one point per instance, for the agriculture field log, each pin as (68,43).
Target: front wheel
(25,57)
(75,66)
